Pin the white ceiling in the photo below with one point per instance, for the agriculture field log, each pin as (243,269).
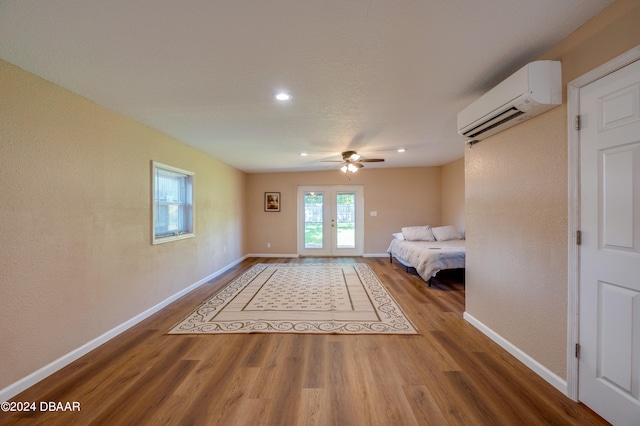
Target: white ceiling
(367,75)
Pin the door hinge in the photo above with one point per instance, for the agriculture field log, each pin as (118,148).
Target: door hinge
(577,350)
(577,122)
(579,237)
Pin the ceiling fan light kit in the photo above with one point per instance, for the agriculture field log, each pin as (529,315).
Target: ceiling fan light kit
(351,167)
(352,161)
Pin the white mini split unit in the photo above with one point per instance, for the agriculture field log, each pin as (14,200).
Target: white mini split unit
(534,89)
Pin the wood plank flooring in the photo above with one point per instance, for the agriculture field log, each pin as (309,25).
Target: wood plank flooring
(451,374)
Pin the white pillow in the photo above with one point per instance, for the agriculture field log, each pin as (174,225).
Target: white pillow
(398,236)
(446,233)
(418,233)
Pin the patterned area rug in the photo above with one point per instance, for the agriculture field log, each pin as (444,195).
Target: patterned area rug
(300,298)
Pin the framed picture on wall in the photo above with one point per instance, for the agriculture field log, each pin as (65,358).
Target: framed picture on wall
(271,201)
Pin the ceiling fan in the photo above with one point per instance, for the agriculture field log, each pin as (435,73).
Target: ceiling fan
(352,161)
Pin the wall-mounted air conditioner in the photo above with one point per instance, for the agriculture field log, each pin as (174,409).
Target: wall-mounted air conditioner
(532,90)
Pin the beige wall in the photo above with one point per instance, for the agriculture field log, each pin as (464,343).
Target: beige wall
(516,206)
(401,197)
(453,194)
(75,252)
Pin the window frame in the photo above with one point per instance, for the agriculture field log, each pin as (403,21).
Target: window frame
(190,231)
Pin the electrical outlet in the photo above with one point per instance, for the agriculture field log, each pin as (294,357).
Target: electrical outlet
(268,245)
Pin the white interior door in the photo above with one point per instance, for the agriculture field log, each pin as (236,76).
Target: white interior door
(330,220)
(609,324)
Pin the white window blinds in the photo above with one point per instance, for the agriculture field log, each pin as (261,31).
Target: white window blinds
(172,203)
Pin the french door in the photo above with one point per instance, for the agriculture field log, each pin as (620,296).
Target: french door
(330,220)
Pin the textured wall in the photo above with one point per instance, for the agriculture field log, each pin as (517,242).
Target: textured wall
(75,252)
(516,206)
(453,210)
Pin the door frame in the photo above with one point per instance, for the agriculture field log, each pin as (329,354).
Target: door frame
(573,255)
(332,190)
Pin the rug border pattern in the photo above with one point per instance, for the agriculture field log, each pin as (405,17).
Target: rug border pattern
(392,319)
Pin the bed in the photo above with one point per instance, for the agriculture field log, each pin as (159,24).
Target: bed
(428,250)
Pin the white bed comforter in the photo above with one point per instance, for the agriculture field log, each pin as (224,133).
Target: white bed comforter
(429,257)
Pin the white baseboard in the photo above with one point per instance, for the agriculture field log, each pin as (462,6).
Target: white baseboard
(297,255)
(271,255)
(542,371)
(38,375)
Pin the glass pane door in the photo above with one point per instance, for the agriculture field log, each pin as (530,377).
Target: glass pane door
(345,220)
(330,220)
(313,220)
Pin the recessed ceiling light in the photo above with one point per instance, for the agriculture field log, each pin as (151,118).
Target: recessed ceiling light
(303,154)
(402,150)
(283,96)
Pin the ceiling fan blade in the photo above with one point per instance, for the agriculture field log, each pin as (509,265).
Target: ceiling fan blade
(352,157)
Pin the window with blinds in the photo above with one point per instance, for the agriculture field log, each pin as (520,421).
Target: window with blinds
(173,212)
